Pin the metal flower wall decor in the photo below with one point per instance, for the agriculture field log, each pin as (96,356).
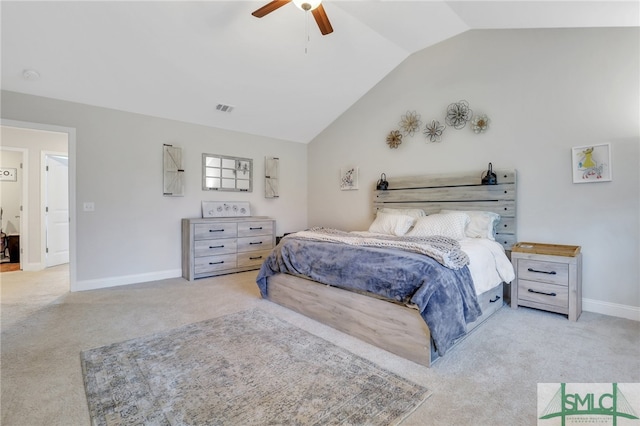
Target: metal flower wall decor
(433,131)
(458,114)
(394,139)
(480,123)
(410,123)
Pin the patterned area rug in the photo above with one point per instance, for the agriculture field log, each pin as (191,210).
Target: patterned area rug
(248,368)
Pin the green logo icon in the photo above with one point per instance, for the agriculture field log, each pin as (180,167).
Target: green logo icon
(564,404)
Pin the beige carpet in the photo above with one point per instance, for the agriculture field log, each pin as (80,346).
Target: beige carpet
(489,379)
(247,368)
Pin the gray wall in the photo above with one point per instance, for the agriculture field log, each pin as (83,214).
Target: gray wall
(134,233)
(545,91)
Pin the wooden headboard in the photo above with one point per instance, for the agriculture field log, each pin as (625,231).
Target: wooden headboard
(456,191)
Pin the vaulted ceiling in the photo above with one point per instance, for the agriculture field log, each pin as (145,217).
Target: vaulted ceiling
(284,80)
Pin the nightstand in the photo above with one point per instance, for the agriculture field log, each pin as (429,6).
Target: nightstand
(548,277)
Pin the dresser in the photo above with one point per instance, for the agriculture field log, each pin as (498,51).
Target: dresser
(548,277)
(217,246)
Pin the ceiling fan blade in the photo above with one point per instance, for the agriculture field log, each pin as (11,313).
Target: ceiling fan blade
(270,7)
(321,19)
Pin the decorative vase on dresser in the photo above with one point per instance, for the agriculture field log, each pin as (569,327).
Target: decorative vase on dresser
(217,246)
(548,277)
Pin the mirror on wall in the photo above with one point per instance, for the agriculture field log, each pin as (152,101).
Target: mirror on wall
(224,173)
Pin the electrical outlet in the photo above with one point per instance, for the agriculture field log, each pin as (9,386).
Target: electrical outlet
(88,206)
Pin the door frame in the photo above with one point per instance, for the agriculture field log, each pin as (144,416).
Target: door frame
(71,148)
(24,202)
(43,202)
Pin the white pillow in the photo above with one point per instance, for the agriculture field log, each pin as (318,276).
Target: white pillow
(415,213)
(450,225)
(392,224)
(482,224)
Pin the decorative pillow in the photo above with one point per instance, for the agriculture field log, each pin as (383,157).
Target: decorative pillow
(415,213)
(450,225)
(392,224)
(482,224)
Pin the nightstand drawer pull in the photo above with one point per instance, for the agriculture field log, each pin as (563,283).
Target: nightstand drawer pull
(257,228)
(255,258)
(542,292)
(494,300)
(212,247)
(216,263)
(542,272)
(216,230)
(259,242)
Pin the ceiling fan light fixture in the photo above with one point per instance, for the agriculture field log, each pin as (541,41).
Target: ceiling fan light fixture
(307,5)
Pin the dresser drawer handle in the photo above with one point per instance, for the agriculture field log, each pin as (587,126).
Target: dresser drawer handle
(255,258)
(494,300)
(254,229)
(541,292)
(216,263)
(259,242)
(216,230)
(542,272)
(212,247)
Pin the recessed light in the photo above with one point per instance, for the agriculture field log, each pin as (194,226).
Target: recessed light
(30,75)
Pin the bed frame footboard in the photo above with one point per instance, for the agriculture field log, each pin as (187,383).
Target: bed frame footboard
(389,326)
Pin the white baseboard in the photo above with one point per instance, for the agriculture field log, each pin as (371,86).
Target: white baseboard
(611,309)
(125,280)
(32,267)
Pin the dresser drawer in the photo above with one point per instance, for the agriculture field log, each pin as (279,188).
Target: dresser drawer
(214,263)
(215,246)
(548,272)
(255,228)
(259,242)
(252,258)
(206,231)
(549,294)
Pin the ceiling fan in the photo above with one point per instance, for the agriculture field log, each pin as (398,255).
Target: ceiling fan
(315,6)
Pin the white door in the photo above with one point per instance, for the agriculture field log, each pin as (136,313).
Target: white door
(57,210)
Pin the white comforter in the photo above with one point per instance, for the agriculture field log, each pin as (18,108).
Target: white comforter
(488,263)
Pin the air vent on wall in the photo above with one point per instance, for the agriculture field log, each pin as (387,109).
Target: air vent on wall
(224,108)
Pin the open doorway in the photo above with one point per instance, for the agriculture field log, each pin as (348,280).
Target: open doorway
(12,193)
(53,146)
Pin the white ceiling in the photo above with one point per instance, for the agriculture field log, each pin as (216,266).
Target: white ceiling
(180,59)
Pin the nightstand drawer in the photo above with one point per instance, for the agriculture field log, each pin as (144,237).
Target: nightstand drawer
(548,272)
(549,294)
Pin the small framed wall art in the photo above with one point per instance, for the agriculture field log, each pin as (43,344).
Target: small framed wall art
(591,163)
(348,178)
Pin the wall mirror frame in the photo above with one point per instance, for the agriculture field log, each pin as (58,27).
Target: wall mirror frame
(225,173)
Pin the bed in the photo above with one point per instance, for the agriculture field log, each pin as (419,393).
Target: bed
(396,319)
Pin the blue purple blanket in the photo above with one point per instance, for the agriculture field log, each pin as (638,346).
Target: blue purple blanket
(446,297)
